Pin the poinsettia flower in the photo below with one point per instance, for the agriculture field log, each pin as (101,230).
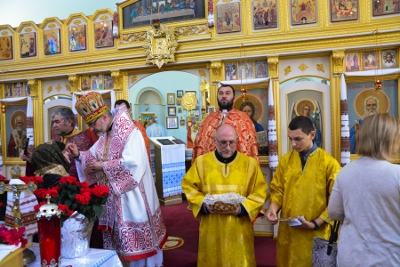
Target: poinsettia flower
(68,180)
(101,190)
(83,198)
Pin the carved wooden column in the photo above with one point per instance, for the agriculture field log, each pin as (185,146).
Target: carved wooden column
(37,108)
(338,64)
(216,73)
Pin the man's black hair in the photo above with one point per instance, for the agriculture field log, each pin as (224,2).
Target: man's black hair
(303,123)
(122,101)
(227,85)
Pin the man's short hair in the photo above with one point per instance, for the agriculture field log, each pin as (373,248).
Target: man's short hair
(226,85)
(122,101)
(378,136)
(66,114)
(303,123)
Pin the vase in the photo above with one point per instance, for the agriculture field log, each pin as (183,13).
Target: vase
(75,236)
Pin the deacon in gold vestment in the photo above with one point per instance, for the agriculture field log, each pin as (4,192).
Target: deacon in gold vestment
(226,239)
(301,186)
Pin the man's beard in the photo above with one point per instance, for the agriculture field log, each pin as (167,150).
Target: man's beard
(371,112)
(19,128)
(228,104)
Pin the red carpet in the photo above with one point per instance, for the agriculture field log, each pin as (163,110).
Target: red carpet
(181,223)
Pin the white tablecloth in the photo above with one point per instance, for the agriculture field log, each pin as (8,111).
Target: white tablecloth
(95,257)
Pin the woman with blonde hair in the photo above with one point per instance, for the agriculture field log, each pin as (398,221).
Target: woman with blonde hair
(366,197)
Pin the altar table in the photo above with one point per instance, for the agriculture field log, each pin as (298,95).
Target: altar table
(95,257)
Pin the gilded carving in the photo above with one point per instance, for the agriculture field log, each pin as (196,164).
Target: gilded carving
(58,87)
(338,62)
(33,86)
(191,30)
(4,33)
(103,17)
(273,67)
(134,37)
(50,89)
(133,79)
(68,88)
(28,30)
(160,44)
(52,25)
(77,21)
(216,67)
(288,70)
(202,73)
(116,76)
(73,80)
(320,67)
(303,67)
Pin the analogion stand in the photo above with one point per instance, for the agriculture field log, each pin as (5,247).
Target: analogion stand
(168,155)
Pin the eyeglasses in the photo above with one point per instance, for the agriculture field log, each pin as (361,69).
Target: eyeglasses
(232,144)
(91,125)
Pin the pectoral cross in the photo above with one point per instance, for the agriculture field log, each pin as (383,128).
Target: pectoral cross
(16,189)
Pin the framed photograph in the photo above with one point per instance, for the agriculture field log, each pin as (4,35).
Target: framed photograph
(303,12)
(140,13)
(344,10)
(97,82)
(370,60)
(228,17)
(179,93)
(172,123)
(108,81)
(380,8)
(352,62)
(85,82)
(261,69)
(171,111)
(389,59)
(179,110)
(182,122)
(51,40)
(28,44)
(179,101)
(103,34)
(6,48)
(265,14)
(18,90)
(170,98)
(15,125)
(77,38)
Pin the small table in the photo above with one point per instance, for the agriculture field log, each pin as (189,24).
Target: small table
(95,257)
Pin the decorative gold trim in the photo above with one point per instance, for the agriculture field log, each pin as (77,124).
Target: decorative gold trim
(273,67)
(338,62)
(33,86)
(116,76)
(77,22)
(288,70)
(320,67)
(73,80)
(303,67)
(160,44)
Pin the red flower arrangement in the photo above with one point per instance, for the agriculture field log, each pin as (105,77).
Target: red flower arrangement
(72,195)
(13,236)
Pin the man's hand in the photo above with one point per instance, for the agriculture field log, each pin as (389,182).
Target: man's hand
(305,225)
(272,213)
(28,155)
(94,167)
(73,149)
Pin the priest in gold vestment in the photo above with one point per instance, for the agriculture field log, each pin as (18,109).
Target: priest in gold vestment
(226,239)
(301,186)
